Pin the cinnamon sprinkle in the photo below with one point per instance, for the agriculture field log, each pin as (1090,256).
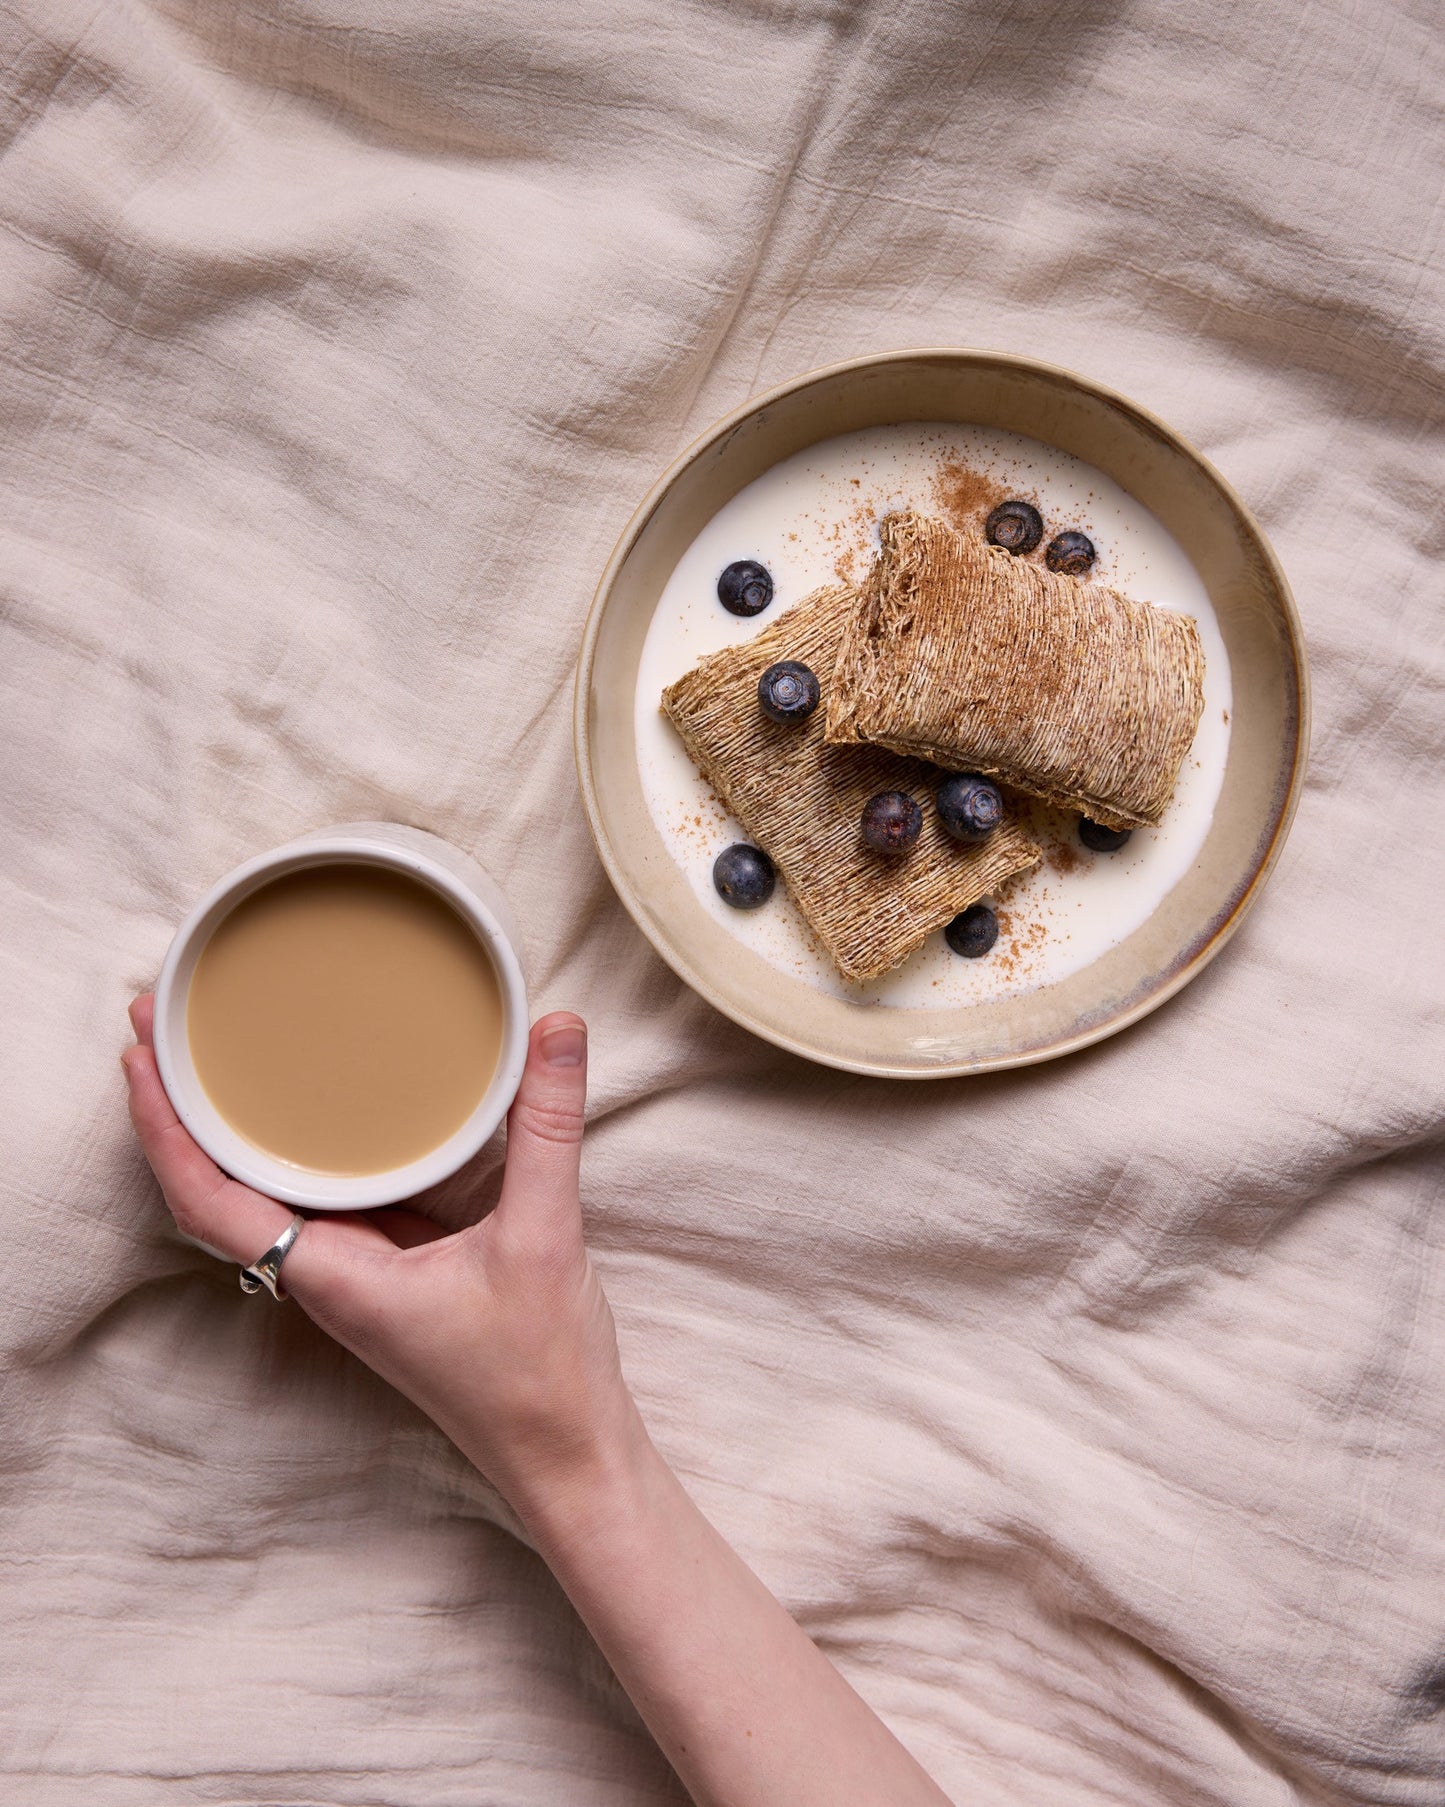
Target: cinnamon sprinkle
(965,496)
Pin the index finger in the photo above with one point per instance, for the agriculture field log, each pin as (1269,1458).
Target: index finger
(143,1018)
(207,1204)
(230,1219)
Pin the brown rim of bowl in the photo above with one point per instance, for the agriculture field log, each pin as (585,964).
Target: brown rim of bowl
(1194,960)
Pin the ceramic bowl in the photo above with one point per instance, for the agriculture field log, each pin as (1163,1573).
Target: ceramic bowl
(1269,731)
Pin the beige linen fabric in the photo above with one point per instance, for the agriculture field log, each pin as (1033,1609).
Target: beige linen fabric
(1090,1417)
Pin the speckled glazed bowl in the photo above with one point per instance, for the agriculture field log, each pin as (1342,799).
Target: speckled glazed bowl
(1269,732)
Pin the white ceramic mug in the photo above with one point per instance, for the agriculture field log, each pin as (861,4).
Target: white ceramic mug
(410,851)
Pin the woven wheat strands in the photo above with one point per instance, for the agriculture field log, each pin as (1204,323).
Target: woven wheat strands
(801,800)
(962,653)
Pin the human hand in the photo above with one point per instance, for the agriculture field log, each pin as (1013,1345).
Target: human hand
(500,1333)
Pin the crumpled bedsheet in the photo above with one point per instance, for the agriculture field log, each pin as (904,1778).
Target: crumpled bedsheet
(1090,1417)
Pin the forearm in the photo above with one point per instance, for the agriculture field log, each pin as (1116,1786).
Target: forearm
(502,1334)
(747,1709)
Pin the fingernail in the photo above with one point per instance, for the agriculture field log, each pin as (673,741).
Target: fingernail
(565,1045)
(124,1063)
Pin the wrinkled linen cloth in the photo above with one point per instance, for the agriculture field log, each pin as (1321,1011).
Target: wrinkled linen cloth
(1090,1416)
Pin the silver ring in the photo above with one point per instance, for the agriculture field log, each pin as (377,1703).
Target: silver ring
(265,1270)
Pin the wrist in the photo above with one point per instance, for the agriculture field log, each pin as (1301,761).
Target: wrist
(567,1497)
(559,1469)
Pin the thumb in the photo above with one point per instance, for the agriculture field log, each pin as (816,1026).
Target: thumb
(544,1128)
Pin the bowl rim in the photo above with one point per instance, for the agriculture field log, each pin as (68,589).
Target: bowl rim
(977,358)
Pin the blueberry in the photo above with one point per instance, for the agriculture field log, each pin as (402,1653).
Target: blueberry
(788,692)
(745,587)
(1071,553)
(969,807)
(743,876)
(1016,526)
(892,822)
(1099,839)
(973,932)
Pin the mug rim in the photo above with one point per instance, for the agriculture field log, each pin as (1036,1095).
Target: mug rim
(287,1182)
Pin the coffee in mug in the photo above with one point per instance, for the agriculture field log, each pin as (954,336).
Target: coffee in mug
(345,1018)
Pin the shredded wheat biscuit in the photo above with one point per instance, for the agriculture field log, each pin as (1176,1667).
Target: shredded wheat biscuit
(962,653)
(801,800)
